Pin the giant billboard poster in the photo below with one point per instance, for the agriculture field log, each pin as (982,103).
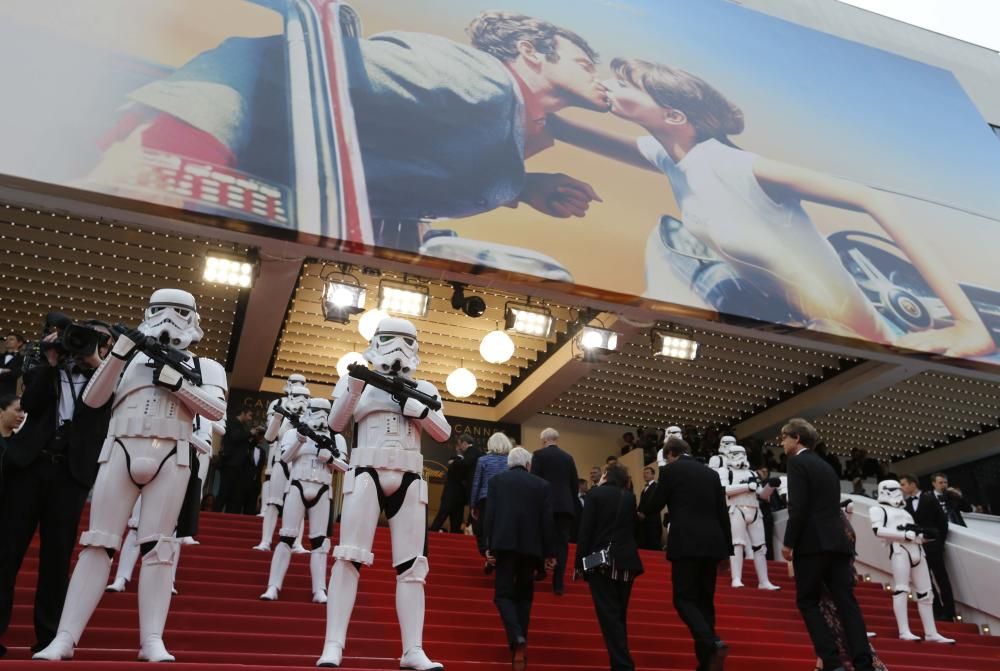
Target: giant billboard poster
(693,155)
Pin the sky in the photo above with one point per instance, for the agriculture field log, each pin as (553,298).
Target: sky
(976,21)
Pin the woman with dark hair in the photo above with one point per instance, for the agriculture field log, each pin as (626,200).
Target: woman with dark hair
(607,524)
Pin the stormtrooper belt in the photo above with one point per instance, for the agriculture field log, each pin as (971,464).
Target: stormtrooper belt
(390,459)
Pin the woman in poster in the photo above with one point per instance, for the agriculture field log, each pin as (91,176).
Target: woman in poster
(748,209)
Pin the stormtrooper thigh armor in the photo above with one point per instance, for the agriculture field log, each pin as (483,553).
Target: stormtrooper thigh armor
(909,565)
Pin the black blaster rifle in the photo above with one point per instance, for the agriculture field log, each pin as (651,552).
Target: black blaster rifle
(161,354)
(320,439)
(398,387)
(930,533)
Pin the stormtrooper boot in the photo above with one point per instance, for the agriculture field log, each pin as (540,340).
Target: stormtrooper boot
(344,588)
(317,570)
(736,566)
(410,611)
(902,621)
(267,532)
(279,567)
(760,564)
(92,569)
(155,579)
(931,634)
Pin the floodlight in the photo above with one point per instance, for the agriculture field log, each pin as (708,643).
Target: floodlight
(530,320)
(231,271)
(674,346)
(403,298)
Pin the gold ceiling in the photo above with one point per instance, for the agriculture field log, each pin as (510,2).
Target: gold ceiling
(448,338)
(99,270)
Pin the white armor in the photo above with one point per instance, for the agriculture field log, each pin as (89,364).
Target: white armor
(385,466)
(909,565)
(745,520)
(310,479)
(146,449)
(672,432)
(295,401)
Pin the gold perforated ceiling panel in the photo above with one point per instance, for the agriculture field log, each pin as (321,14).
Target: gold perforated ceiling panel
(97,270)
(448,339)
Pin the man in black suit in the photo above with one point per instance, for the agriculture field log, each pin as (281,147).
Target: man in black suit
(817,544)
(699,538)
(927,513)
(950,499)
(649,530)
(457,483)
(235,465)
(554,465)
(519,540)
(10,363)
(50,467)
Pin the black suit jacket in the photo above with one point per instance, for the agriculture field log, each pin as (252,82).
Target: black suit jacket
(235,452)
(814,523)
(8,381)
(699,515)
(469,461)
(609,517)
(454,492)
(929,514)
(554,465)
(519,515)
(40,400)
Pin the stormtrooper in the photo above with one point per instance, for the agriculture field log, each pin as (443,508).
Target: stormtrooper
(157,395)
(718,461)
(745,520)
(385,474)
(672,432)
(294,403)
(310,465)
(894,525)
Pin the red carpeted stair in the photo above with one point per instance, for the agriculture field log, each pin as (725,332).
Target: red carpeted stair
(217,621)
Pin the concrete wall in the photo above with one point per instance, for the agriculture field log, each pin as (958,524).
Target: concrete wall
(977,68)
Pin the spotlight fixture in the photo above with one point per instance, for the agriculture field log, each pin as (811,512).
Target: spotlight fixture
(343,296)
(595,342)
(674,346)
(473,306)
(530,320)
(403,298)
(230,271)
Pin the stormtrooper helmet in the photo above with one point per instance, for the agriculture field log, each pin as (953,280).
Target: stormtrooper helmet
(298,399)
(672,432)
(393,347)
(317,413)
(172,318)
(294,379)
(890,494)
(726,443)
(736,458)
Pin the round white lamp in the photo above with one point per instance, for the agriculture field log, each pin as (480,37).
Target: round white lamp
(369,322)
(347,360)
(496,347)
(461,383)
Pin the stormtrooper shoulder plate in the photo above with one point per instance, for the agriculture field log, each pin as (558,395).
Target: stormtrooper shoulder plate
(213,374)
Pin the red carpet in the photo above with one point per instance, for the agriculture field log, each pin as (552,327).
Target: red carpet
(217,622)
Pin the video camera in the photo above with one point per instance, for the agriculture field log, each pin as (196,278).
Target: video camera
(75,339)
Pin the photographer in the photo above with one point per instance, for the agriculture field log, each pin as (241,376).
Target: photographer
(50,466)
(10,362)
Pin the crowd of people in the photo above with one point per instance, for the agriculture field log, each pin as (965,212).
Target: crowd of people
(59,430)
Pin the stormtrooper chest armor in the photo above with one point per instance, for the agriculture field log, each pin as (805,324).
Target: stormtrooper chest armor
(735,477)
(310,467)
(143,409)
(381,423)
(894,518)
